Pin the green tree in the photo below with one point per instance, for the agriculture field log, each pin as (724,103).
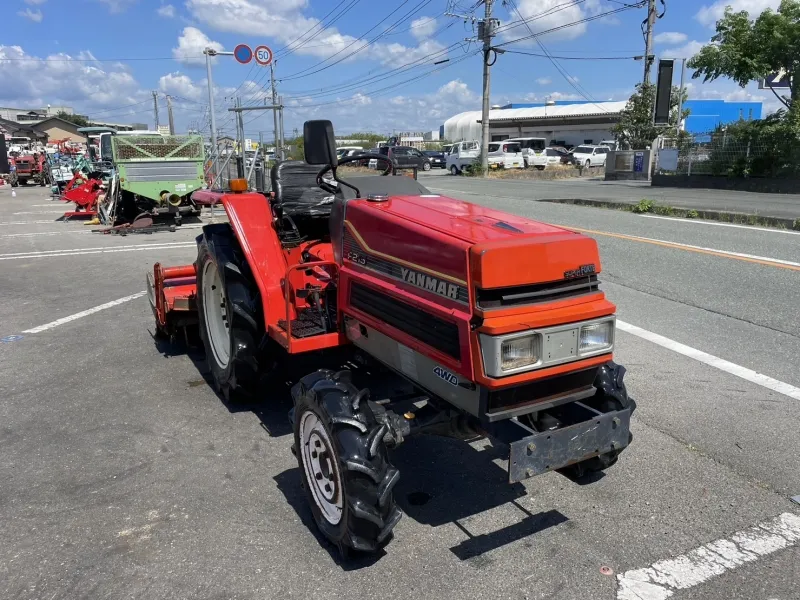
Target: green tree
(745,50)
(635,127)
(78,120)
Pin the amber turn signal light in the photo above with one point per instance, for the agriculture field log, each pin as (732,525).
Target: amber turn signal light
(239,185)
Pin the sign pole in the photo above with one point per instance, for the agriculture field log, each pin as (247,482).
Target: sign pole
(209,52)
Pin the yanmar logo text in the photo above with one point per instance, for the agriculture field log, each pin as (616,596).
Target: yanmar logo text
(432,284)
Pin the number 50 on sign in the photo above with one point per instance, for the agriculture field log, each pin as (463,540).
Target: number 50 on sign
(263,55)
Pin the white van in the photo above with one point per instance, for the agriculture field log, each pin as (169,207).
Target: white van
(530,147)
(505,155)
(462,156)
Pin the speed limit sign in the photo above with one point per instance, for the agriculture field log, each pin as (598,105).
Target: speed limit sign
(263,55)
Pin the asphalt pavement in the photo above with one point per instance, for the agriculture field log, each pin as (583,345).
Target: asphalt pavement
(125,476)
(782,206)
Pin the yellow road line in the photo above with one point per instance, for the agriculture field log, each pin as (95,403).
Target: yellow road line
(687,248)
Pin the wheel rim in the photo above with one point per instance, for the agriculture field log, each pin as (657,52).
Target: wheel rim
(453,170)
(319,464)
(215,312)
(426,167)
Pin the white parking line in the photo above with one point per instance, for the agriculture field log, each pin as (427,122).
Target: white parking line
(716,224)
(39,212)
(663,578)
(81,251)
(84,313)
(713,361)
(50,221)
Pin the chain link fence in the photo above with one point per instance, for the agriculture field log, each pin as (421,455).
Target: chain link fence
(722,154)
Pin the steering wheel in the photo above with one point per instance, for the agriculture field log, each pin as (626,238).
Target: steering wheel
(348,159)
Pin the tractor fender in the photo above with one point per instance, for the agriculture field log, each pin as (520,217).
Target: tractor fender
(250,218)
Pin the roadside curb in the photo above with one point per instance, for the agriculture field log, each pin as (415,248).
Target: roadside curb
(674,211)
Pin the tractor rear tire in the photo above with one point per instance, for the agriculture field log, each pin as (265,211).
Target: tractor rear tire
(344,463)
(230,314)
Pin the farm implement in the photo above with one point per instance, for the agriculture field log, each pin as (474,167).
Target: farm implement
(497,322)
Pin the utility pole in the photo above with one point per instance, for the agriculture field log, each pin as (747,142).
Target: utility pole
(486,31)
(169,114)
(155,108)
(280,128)
(648,39)
(278,148)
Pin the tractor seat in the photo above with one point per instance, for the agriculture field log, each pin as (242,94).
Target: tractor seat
(297,194)
(302,209)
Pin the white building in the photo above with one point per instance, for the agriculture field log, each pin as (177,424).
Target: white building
(562,125)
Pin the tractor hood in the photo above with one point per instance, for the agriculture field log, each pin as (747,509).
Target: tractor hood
(467,242)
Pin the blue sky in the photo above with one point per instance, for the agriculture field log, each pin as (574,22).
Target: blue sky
(95,68)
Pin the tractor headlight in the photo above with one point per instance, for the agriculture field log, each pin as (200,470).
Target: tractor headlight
(519,352)
(525,351)
(596,337)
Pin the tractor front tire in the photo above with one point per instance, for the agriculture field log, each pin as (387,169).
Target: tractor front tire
(230,314)
(611,395)
(344,463)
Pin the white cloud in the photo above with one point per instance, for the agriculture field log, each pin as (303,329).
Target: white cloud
(116,6)
(34,15)
(544,15)
(670,37)
(544,81)
(536,97)
(167,11)
(424,112)
(284,22)
(688,50)
(85,85)
(191,44)
(709,14)
(423,27)
(35,2)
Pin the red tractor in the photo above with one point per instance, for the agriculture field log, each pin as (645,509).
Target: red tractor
(30,167)
(496,321)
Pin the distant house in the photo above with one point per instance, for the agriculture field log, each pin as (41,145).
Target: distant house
(12,129)
(57,128)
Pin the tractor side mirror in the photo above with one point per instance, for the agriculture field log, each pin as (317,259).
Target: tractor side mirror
(319,143)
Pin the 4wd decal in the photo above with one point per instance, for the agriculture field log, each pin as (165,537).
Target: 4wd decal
(431,284)
(446,375)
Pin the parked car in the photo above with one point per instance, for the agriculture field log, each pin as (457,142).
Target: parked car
(610,144)
(531,147)
(462,156)
(590,156)
(342,151)
(437,158)
(505,155)
(405,157)
(446,149)
(550,157)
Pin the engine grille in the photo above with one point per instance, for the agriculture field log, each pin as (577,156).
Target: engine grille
(542,389)
(425,327)
(161,171)
(537,293)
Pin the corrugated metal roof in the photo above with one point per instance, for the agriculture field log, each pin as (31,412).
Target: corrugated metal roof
(594,109)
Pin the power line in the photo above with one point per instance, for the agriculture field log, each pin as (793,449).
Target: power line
(569,78)
(572,24)
(573,57)
(308,72)
(375,78)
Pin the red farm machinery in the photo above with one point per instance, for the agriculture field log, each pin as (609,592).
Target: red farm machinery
(497,323)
